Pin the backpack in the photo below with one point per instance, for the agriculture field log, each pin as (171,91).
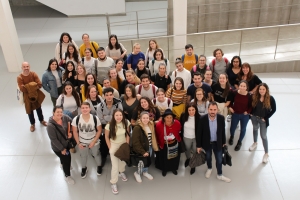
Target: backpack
(196,58)
(95,122)
(95,63)
(153,89)
(101,105)
(213,62)
(166,62)
(169,101)
(195,67)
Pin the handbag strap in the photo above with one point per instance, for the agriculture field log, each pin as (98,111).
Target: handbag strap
(59,131)
(165,133)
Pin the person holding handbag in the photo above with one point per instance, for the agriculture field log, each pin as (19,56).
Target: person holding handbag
(167,134)
(86,130)
(114,49)
(190,126)
(116,134)
(59,135)
(144,142)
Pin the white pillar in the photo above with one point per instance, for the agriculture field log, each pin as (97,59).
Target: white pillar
(9,39)
(179,26)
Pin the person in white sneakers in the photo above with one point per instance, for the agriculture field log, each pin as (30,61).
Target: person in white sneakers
(116,134)
(264,106)
(211,137)
(144,142)
(145,89)
(181,72)
(86,130)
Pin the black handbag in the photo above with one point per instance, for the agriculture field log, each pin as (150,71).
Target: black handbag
(71,141)
(182,147)
(226,160)
(136,158)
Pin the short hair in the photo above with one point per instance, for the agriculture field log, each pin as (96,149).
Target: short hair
(84,35)
(178,60)
(212,103)
(188,46)
(202,56)
(57,107)
(100,49)
(86,104)
(107,90)
(162,64)
(215,51)
(197,74)
(143,76)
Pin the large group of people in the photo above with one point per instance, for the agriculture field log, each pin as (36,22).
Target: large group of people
(106,97)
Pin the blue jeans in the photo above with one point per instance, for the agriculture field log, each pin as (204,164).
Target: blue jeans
(258,123)
(218,157)
(235,119)
(145,169)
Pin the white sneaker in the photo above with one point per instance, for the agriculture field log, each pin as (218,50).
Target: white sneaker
(228,118)
(265,158)
(147,175)
(123,176)
(208,173)
(253,146)
(114,189)
(137,177)
(223,178)
(62,167)
(69,180)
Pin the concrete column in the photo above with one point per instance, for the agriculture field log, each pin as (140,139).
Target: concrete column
(9,39)
(179,26)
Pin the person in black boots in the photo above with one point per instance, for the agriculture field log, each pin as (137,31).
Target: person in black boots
(211,137)
(190,126)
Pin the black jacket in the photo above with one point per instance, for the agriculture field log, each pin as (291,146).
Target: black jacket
(197,125)
(203,136)
(271,111)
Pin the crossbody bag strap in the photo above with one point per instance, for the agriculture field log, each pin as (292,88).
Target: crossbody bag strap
(165,133)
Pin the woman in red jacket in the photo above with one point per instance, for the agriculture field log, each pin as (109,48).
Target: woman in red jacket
(168,138)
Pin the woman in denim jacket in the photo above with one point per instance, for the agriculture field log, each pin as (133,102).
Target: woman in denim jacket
(52,80)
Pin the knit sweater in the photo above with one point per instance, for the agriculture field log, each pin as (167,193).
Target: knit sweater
(64,46)
(177,96)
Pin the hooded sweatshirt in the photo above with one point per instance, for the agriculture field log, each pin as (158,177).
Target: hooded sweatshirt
(105,114)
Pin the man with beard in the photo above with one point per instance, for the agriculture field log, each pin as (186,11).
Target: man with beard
(103,65)
(27,80)
(189,59)
(211,137)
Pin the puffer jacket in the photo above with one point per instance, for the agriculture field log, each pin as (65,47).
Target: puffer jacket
(49,82)
(140,142)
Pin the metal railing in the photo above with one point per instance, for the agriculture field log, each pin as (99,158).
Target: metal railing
(253,45)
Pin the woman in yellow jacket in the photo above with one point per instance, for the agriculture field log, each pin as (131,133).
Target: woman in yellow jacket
(88,44)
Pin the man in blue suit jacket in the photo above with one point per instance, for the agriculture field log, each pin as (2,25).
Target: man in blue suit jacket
(211,137)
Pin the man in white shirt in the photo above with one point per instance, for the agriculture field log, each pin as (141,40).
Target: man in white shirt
(103,65)
(145,89)
(181,72)
(86,131)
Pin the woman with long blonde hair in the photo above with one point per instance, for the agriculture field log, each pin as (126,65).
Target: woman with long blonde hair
(264,106)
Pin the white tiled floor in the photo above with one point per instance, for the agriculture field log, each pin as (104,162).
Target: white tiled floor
(30,170)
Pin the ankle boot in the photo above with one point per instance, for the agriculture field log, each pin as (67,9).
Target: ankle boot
(186,163)
(238,146)
(231,140)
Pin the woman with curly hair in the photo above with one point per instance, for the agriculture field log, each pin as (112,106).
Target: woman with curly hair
(71,55)
(264,106)
(69,74)
(145,104)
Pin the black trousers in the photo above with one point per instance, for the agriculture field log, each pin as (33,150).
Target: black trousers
(65,160)
(103,146)
(39,113)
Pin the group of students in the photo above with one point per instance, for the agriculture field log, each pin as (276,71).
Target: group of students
(103,98)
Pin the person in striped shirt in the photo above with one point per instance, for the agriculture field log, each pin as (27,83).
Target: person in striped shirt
(177,93)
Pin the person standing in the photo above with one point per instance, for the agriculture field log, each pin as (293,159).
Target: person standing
(182,73)
(24,80)
(104,63)
(264,106)
(219,64)
(86,130)
(52,80)
(211,137)
(61,47)
(198,84)
(134,57)
(87,43)
(189,59)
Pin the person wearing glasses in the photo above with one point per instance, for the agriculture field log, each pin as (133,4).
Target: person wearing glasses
(200,67)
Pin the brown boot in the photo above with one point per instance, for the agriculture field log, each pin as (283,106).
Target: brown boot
(32,127)
(44,123)
(73,150)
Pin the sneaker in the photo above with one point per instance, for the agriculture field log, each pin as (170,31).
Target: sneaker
(84,172)
(223,178)
(229,118)
(148,176)
(137,177)
(253,146)
(265,158)
(62,167)
(99,170)
(69,180)
(238,146)
(123,176)
(114,189)
(208,173)
(32,128)
(231,140)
